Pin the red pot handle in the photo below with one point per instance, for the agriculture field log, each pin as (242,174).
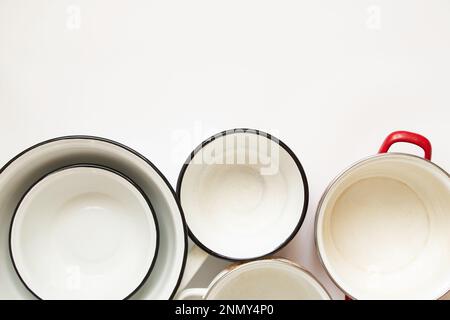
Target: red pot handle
(409,137)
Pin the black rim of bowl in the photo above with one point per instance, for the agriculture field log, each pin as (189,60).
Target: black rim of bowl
(148,162)
(291,154)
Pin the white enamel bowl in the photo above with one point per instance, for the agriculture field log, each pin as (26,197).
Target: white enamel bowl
(244,194)
(24,170)
(268,279)
(382,228)
(84,232)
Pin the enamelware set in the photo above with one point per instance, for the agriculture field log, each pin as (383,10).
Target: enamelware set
(84,217)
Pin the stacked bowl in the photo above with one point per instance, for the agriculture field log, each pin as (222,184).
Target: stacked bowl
(88,218)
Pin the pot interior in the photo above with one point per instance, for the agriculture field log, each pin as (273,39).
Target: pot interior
(383,229)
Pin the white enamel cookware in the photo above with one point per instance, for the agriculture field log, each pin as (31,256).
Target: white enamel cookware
(383,226)
(84,232)
(244,194)
(19,174)
(266,279)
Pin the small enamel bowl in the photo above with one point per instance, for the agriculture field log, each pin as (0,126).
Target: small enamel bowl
(244,194)
(84,232)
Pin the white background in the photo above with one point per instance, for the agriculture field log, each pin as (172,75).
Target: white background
(329,78)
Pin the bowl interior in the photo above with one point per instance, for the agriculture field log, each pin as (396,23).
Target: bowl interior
(80,229)
(382,229)
(24,170)
(243,195)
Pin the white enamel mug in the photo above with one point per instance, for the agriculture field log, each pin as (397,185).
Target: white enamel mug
(84,232)
(244,195)
(268,279)
(383,225)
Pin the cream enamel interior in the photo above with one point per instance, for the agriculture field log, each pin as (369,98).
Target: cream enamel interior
(242,197)
(383,229)
(78,231)
(24,171)
(267,280)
